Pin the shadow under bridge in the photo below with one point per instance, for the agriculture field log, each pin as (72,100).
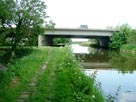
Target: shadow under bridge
(100,34)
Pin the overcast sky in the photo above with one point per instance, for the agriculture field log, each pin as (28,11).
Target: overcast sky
(94,13)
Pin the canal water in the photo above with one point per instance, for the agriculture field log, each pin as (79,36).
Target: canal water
(116,72)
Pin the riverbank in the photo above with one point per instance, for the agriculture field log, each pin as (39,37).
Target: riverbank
(48,75)
(128,48)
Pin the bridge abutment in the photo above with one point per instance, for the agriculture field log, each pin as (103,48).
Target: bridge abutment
(104,42)
(45,40)
(101,35)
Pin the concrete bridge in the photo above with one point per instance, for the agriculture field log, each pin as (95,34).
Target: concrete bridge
(101,35)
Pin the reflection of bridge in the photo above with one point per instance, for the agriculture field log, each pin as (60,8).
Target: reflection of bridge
(101,35)
(96,65)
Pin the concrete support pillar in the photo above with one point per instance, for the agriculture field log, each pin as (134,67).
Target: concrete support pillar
(49,40)
(45,40)
(41,40)
(104,42)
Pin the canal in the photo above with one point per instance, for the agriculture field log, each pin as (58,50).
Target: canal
(115,71)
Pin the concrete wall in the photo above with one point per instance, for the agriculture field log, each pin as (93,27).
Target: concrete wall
(104,41)
(45,40)
(41,40)
(101,35)
(79,32)
(48,41)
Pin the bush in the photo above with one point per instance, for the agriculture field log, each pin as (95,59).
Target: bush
(61,41)
(132,37)
(119,38)
(129,47)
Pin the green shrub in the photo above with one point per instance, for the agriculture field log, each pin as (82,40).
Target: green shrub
(119,38)
(129,47)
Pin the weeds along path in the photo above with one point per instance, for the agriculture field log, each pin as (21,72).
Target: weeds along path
(62,81)
(32,87)
(43,91)
(18,80)
(59,79)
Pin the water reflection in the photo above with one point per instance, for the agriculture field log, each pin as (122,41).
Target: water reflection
(123,63)
(79,49)
(113,70)
(103,58)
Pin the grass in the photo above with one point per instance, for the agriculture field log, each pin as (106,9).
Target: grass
(66,81)
(19,73)
(61,81)
(128,48)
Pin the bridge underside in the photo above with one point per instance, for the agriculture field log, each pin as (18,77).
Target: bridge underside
(48,39)
(101,35)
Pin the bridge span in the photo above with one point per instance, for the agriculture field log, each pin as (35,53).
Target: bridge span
(102,35)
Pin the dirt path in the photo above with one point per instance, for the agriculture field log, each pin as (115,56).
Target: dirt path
(32,85)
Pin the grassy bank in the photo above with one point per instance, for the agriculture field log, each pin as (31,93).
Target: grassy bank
(19,72)
(128,48)
(48,75)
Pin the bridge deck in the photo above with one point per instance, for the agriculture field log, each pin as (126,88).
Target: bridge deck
(79,32)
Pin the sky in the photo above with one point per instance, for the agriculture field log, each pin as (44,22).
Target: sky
(94,13)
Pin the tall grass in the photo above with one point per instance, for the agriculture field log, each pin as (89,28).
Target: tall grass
(62,81)
(128,47)
(19,73)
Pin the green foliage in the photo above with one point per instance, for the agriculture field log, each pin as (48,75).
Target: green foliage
(128,47)
(119,38)
(61,41)
(132,37)
(2,39)
(62,80)
(125,63)
(19,73)
(131,42)
(24,19)
(4,15)
(78,86)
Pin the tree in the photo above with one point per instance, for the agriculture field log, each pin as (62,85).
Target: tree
(24,19)
(119,38)
(4,14)
(132,37)
(62,41)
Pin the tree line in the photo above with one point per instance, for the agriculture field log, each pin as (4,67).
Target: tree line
(125,35)
(21,21)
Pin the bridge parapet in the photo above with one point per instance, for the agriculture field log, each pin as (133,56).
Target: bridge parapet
(100,34)
(83,32)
